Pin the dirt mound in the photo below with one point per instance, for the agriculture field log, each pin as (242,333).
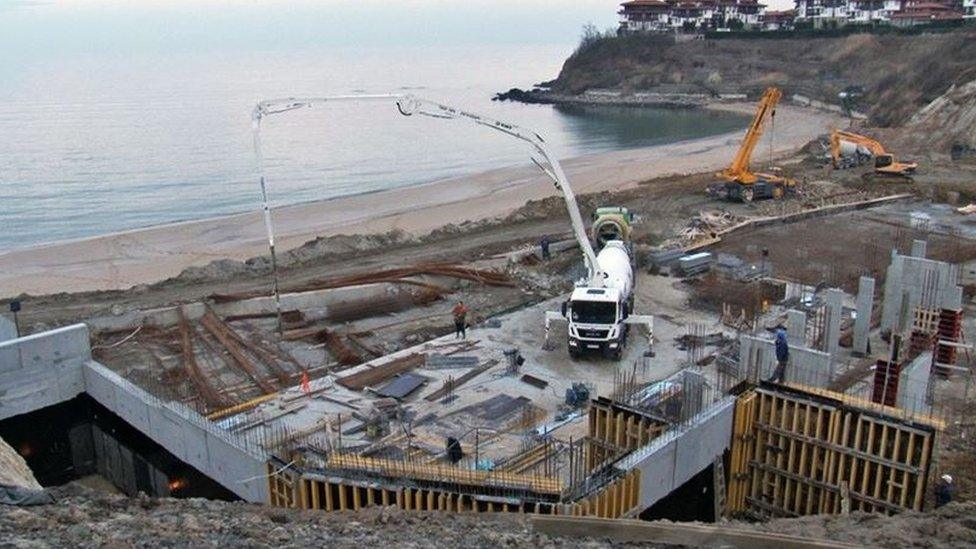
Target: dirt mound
(14,470)
(949,119)
(951,526)
(313,250)
(86,518)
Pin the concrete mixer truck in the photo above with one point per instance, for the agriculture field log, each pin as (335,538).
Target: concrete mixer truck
(599,311)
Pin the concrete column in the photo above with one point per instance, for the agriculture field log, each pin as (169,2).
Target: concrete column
(835,306)
(919,248)
(796,327)
(865,307)
(891,305)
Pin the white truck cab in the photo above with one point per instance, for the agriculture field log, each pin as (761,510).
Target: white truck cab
(596,321)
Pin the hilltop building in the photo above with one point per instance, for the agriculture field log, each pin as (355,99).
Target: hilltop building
(731,15)
(685,15)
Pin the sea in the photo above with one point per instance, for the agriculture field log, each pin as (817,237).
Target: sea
(102,139)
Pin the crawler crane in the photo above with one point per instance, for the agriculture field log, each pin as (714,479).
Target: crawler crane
(739,182)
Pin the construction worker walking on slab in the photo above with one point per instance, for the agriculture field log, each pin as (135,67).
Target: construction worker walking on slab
(782,356)
(460,320)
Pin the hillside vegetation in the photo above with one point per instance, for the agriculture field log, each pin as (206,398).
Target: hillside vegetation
(899,74)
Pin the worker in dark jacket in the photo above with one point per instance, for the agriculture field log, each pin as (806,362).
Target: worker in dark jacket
(944,488)
(544,245)
(782,356)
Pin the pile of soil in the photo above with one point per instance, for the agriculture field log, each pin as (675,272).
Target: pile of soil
(84,518)
(951,526)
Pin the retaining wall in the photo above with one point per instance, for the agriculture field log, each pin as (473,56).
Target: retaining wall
(42,370)
(45,369)
(679,454)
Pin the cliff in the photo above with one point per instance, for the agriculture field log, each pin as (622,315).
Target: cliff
(899,74)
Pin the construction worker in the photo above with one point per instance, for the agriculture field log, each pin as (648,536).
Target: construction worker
(544,244)
(460,320)
(944,489)
(782,356)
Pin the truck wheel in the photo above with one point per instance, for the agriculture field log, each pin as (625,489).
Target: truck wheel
(573,353)
(746,195)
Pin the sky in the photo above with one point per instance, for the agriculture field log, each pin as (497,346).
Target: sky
(107,26)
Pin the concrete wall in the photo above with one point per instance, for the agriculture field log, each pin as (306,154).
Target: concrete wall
(8,330)
(674,458)
(220,455)
(913,384)
(41,370)
(45,369)
(913,282)
(757,359)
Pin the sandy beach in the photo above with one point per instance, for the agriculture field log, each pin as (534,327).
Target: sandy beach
(121,260)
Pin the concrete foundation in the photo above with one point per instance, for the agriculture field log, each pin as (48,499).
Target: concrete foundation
(865,308)
(45,369)
(681,453)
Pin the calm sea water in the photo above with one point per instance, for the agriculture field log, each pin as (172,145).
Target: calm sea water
(95,143)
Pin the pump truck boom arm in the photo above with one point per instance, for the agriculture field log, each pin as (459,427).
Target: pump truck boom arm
(409,105)
(739,169)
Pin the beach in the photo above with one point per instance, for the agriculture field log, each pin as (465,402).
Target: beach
(143,256)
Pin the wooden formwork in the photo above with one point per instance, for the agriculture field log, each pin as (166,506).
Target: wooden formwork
(615,426)
(618,499)
(798,452)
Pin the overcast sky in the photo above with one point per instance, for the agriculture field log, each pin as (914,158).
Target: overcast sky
(125,26)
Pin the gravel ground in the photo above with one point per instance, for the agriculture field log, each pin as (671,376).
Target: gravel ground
(951,526)
(85,518)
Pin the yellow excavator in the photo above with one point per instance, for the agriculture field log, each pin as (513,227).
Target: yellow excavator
(849,149)
(739,182)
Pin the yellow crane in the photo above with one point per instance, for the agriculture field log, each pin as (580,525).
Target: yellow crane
(739,182)
(849,149)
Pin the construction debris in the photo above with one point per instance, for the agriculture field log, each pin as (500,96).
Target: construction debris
(374,375)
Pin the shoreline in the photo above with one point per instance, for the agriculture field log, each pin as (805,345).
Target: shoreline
(143,256)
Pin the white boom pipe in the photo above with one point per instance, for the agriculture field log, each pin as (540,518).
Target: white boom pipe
(409,105)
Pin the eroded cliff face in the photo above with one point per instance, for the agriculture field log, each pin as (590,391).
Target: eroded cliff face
(948,120)
(899,74)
